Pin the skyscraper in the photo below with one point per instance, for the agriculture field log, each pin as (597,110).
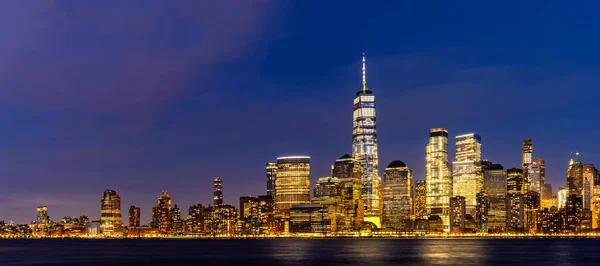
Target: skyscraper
(217,191)
(589,176)
(134,216)
(42,221)
(347,171)
(537,172)
(420,199)
(515,181)
(465,168)
(527,160)
(457,214)
(292,183)
(575,176)
(364,150)
(176,223)
(563,194)
(494,186)
(397,196)
(547,197)
(271,176)
(110,217)
(163,212)
(438,175)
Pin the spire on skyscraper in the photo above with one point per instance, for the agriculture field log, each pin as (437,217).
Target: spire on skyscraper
(364,73)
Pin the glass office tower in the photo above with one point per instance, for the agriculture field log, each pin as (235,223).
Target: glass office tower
(465,170)
(292,183)
(438,175)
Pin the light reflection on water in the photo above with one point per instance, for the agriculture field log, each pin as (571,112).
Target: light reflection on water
(305,252)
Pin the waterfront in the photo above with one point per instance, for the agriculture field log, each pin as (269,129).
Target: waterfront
(534,251)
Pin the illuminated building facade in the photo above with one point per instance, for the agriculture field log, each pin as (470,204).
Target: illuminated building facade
(532,207)
(458,214)
(482,213)
(527,151)
(328,192)
(198,217)
(162,213)
(364,150)
(515,181)
(590,174)
(271,170)
(465,169)
(575,176)
(134,216)
(397,196)
(217,191)
(347,171)
(563,194)
(573,213)
(537,172)
(515,212)
(494,186)
(421,199)
(292,183)
(176,223)
(257,215)
(110,215)
(42,221)
(547,197)
(438,175)
(309,218)
(225,218)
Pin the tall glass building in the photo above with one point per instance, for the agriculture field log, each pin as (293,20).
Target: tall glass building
(397,196)
(110,217)
(292,183)
(271,169)
(438,175)
(537,172)
(364,150)
(527,161)
(420,207)
(575,176)
(217,191)
(515,181)
(347,171)
(465,170)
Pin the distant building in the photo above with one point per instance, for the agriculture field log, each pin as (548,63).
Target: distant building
(271,170)
(328,192)
(225,219)
(458,214)
(347,171)
(397,196)
(537,173)
(162,213)
(515,181)
(527,152)
(134,216)
(309,218)
(532,207)
(465,169)
(438,176)
(42,221)
(563,194)
(515,212)
(110,217)
(292,183)
(257,215)
(482,213)
(176,222)
(547,196)
(495,186)
(217,191)
(590,174)
(421,200)
(93,228)
(573,213)
(575,176)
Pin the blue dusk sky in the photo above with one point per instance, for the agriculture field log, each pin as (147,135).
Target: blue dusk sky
(144,96)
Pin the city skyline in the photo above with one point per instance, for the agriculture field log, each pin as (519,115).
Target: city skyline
(85,112)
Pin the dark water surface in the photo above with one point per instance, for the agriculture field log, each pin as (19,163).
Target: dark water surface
(547,251)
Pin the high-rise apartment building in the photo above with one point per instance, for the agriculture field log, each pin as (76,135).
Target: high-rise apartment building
(515,212)
(176,222)
(162,213)
(292,183)
(217,191)
(438,176)
(271,169)
(458,214)
(364,150)
(575,176)
(134,216)
(421,200)
(397,196)
(590,174)
(42,221)
(465,169)
(515,181)
(257,215)
(532,208)
(110,216)
(527,161)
